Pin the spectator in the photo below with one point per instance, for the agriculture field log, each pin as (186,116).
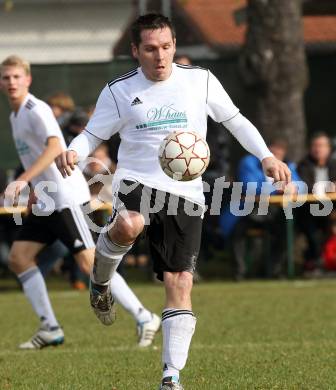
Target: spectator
(329,247)
(318,166)
(62,106)
(76,124)
(271,226)
(315,169)
(182,59)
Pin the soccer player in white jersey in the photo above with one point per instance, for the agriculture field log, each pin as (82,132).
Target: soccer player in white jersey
(145,105)
(39,140)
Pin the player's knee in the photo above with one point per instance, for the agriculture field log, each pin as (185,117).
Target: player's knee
(185,282)
(108,251)
(126,230)
(18,262)
(85,267)
(179,283)
(85,263)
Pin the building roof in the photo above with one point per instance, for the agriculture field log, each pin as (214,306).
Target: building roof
(215,20)
(212,24)
(320,29)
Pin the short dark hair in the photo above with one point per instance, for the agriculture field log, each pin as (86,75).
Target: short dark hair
(150,21)
(279,141)
(319,134)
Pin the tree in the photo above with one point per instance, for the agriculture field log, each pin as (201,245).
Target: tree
(273,61)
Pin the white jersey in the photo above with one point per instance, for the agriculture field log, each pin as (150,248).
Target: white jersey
(144,112)
(32,125)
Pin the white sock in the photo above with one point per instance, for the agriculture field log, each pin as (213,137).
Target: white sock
(178,326)
(127,299)
(108,256)
(35,290)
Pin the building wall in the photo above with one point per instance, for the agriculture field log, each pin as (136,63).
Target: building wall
(63,31)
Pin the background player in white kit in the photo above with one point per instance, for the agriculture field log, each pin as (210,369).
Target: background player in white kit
(39,140)
(144,105)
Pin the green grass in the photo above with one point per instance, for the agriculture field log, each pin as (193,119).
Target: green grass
(258,335)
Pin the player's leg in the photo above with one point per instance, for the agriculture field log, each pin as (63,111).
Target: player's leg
(125,224)
(147,323)
(49,255)
(22,261)
(113,243)
(178,326)
(84,259)
(110,249)
(75,229)
(72,229)
(176,263)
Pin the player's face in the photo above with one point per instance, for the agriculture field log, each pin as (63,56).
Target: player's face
(14,82)
(279,151)
(155,53)
(320,149)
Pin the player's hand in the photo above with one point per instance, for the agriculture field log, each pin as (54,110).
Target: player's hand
(66,162)
(13,191)
(291,189)
(277,170)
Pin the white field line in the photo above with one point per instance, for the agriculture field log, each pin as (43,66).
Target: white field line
(52,294)
(196,346)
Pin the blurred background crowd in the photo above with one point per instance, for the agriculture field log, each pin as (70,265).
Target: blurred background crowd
(276,61)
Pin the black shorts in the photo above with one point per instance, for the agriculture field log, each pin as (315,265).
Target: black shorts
(67,225)
(173,225)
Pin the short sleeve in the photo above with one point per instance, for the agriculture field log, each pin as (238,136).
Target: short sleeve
(105,120)
(219,104)
(44,122)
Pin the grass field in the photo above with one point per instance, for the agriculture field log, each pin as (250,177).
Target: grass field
(258,335)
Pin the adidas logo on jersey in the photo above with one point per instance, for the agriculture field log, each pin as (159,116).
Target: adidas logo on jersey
(136,101)
(78,243)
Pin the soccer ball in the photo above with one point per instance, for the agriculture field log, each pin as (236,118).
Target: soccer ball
(184,155)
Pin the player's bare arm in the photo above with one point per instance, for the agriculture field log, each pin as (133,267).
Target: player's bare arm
(66,162)
(52,149)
